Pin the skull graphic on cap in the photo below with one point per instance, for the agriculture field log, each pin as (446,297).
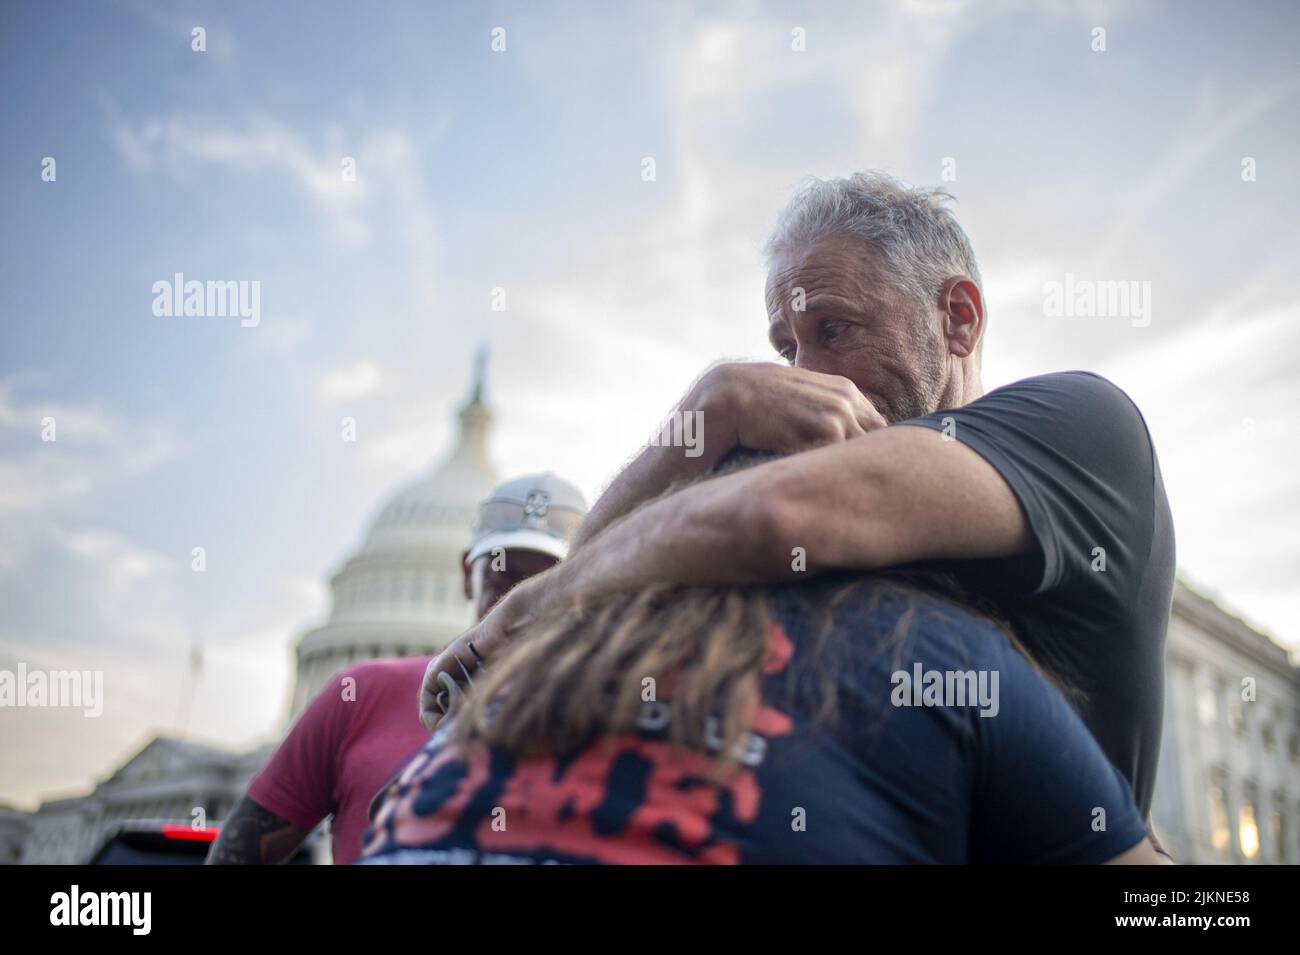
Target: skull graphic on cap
(535,507)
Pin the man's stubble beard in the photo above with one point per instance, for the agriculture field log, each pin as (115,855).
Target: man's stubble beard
(928,395)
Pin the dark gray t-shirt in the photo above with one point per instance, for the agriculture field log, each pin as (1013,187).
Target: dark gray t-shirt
(1092,600)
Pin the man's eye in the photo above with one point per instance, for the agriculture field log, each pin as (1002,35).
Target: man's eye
(831,332)
(786,352)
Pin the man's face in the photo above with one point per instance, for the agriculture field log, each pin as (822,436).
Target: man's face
(856,324)
(491,578)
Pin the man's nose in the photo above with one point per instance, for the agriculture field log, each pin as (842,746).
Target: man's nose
(808,359)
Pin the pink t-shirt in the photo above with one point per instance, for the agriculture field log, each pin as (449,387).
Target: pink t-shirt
(344,747)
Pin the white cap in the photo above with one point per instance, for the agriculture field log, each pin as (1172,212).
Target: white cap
(539,512)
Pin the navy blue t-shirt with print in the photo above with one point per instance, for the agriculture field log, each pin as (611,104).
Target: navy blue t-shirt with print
(947,747)
(1091,600)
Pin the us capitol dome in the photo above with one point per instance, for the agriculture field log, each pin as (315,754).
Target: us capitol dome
(401,593)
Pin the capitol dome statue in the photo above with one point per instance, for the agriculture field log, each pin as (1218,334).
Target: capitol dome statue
(401,593)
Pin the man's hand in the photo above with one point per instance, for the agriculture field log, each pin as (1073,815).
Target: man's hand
(764,406)
(452,670)
(771,407)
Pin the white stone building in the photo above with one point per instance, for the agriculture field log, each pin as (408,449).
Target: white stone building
(14,827)
(168,780)
(1228,786)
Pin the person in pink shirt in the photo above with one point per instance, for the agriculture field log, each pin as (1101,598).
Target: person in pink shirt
(365,722)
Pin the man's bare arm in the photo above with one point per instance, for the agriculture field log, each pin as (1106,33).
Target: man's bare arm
(254,835)
(886,498)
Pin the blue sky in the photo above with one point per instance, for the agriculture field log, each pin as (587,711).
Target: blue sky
(522,169)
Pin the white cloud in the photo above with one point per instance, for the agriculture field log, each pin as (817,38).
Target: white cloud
(82,423)
(1216,399)
(174,146)
(265,144)
(400,451)
(94,447)
(351,381)
(385,199)
(176,25)
(1212,124)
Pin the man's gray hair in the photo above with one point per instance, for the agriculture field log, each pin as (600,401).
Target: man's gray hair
(912,228)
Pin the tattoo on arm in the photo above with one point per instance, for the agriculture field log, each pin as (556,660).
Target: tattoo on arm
(253,835)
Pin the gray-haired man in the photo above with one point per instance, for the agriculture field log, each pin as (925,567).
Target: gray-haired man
(1044,497)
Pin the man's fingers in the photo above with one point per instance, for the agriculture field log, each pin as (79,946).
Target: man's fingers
(453,669)
(430,713)
(842,411)
(868,418)
(430,719)
(857,406)
(436,697)
(794,409)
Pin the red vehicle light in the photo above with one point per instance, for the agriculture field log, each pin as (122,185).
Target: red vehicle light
(205,834)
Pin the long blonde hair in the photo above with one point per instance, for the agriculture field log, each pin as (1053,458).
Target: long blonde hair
(585,671)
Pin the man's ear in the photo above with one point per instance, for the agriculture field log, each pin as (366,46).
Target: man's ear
(466,574)
(963,308)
